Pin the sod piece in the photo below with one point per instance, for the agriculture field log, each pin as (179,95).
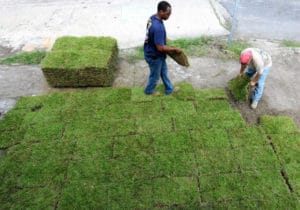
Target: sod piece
(175,164)
(210,94)
(215,161)
(239,87)
(33,198)
(221,187)
(208,139)
(136,194)
(172,142)
(175,108)
(154,124)
(126,146)
(256,158)
(175,192)
(278,124)
(81,62)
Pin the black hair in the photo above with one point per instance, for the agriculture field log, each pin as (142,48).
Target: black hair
(163,5)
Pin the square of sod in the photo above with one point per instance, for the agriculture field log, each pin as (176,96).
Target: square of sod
(173,142)
(287,147)
(222,119)
(40,197)
(175,164)
(131,194)
(256,158)
(185,93)
(81,62)
(266,185)
(210,94)
(84,192)
(215,161)
(126,146)
(154,123)
(180,192)
(247,136)
(221,187)
(293,173)
(185,122)
(146,108)
(131,168)
(208,139)
(92,146)
(175,108)
(213,106)
(278,124)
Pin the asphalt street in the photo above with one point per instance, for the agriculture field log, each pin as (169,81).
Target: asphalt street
(267,19)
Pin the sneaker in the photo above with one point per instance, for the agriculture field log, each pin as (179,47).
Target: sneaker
(155,94)
(176,89)
(254,104)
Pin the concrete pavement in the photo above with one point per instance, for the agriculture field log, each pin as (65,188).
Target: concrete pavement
(31,24)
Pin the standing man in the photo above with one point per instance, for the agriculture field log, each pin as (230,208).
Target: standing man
(257,64)
(155,49)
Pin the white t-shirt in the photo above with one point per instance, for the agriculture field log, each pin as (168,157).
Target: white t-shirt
(260,60)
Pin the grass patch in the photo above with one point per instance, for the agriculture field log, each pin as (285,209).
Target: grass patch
(25,58)
(288,43)
(239,88)
(115,148)
(199,46)
(81,62)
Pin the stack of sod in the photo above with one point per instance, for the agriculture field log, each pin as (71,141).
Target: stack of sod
(239,87)
(81,62)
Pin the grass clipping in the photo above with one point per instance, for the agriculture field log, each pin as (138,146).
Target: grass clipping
(238,86)
(81,62)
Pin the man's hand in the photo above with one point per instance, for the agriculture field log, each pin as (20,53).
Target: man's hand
(253,83)
(177,50)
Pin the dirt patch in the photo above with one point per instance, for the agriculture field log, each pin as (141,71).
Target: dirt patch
(252,116)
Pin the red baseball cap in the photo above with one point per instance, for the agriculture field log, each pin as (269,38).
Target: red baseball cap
(245,57)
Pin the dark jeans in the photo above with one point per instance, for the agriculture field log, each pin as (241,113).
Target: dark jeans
(158,68)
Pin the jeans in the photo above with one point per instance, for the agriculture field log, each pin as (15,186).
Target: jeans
(158,68)
(259,88)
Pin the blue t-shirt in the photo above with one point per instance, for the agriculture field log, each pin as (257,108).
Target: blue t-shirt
(155,35)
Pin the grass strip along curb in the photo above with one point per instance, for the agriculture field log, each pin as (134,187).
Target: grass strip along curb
(27,58)
(116,148)
(81,62)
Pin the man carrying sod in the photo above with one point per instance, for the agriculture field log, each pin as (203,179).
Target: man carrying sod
(156,49)
(257,64)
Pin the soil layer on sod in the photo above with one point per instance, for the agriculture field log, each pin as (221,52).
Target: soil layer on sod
(116,148)
(81,62)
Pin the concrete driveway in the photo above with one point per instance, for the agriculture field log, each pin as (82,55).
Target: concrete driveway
(30,24)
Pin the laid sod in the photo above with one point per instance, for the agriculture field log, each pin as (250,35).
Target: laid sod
(81,62)
(116,148)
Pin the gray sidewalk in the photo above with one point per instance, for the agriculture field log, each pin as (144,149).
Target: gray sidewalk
(31,24)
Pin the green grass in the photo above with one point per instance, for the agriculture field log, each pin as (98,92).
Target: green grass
(288,43)
(26,58)
(239,87)
(81,62)
(116,148)
(200,46)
